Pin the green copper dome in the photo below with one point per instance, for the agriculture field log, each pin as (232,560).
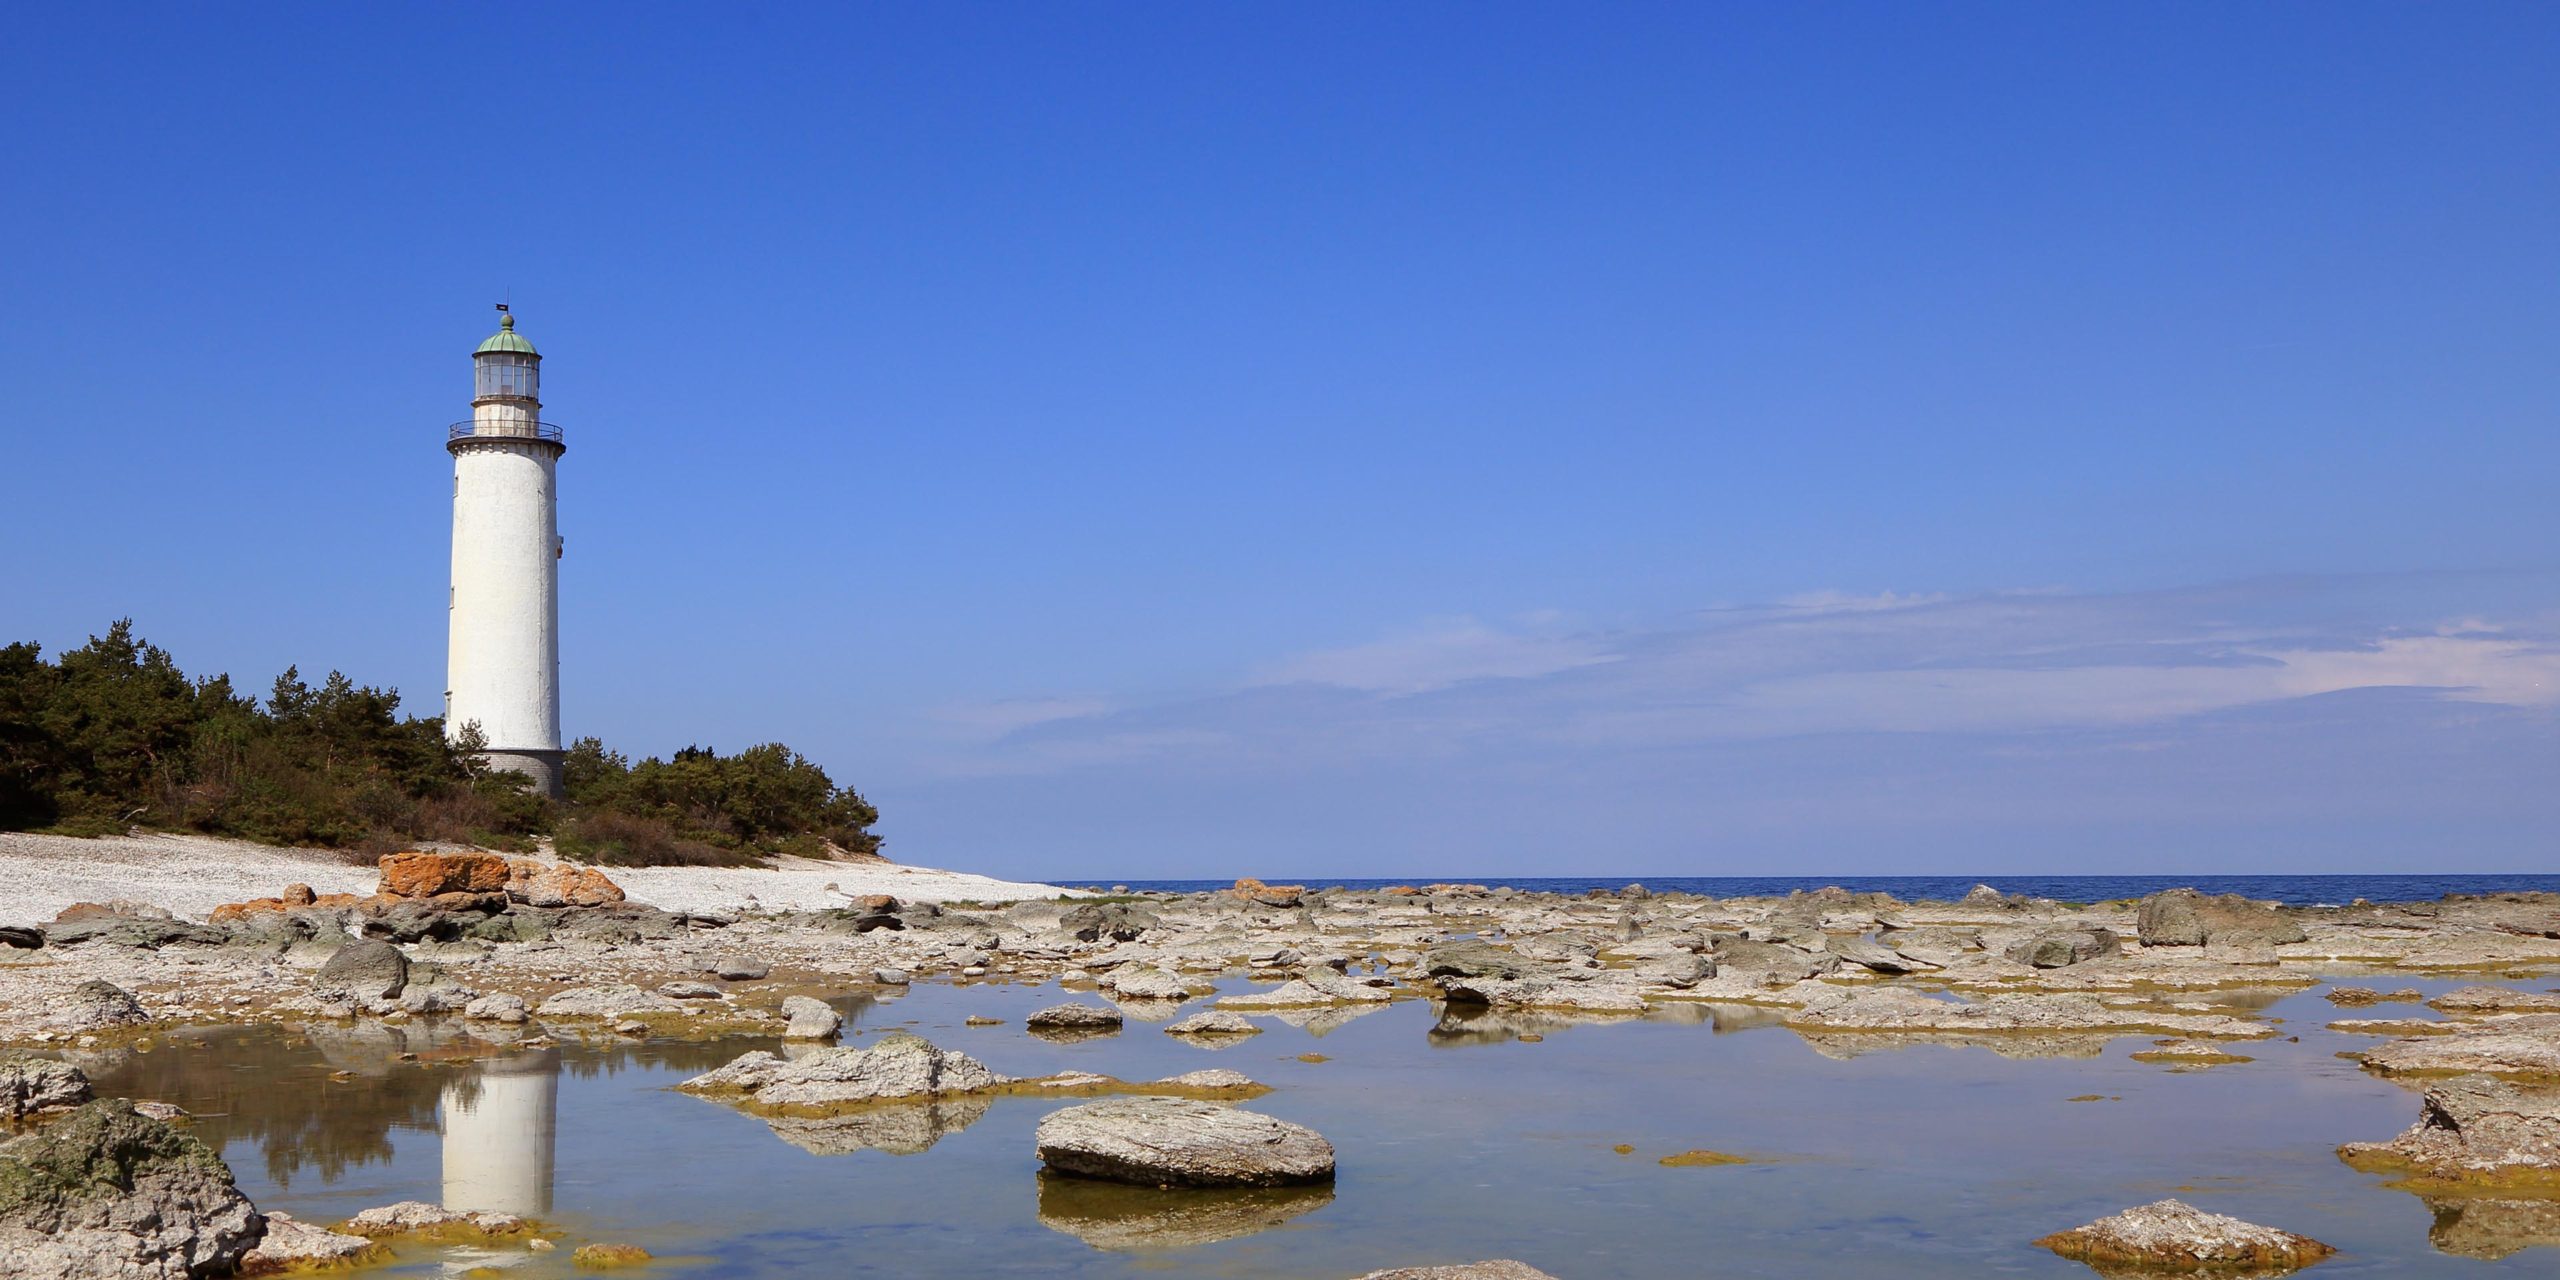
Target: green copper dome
(506,339)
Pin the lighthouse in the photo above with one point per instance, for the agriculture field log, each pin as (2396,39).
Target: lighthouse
(502,655)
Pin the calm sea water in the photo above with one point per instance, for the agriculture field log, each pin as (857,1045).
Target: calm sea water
(1459,1138)
(2303,891)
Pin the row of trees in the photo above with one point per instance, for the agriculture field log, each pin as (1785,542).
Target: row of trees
(114,735)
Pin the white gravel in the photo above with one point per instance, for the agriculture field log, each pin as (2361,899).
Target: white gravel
(191,875)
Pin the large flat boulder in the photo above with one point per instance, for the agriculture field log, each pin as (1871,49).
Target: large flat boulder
(416,874)
(1175,1142)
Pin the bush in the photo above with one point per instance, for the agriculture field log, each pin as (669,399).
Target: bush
(113,735)
(623,840)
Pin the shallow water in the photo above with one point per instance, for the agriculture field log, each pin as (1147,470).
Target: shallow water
(1457,1140)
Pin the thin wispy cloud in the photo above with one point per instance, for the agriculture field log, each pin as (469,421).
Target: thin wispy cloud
(1819,663)
(1440,654)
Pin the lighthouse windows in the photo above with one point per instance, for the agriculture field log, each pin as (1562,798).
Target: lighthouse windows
(505,374)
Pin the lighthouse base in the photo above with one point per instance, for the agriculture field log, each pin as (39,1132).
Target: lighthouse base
(543,766)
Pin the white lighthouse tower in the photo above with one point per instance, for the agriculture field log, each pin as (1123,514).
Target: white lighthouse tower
(502,663)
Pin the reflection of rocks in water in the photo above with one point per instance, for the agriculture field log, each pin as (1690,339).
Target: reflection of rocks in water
(901,1129)
(1478,1024)
(1320,1022)
(500,1129)
(2247,999)
(2492,1229)
(1148,1010)
(2016,1044)
(1109,1215)
(1744,1017)
(1073,1035)
(258,1085)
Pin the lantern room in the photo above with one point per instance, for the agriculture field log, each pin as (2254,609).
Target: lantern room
(506,367)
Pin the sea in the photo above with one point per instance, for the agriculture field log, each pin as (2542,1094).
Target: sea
(2299,891)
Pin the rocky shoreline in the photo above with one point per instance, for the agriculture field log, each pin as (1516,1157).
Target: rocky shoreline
(519,951)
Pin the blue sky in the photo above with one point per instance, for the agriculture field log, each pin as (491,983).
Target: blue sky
(1328,439)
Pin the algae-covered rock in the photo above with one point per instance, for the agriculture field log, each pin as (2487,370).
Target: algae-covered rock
(292,1246)
(2173,1237)
(109,1194)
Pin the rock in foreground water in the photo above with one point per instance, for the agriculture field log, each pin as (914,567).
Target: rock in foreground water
(292,1245)
(108,1194)
(2173,1236)
(1180,1143)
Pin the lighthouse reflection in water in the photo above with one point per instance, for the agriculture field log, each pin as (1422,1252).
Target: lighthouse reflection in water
(500,1126)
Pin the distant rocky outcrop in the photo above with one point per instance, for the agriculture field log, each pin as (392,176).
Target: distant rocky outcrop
(2187,918)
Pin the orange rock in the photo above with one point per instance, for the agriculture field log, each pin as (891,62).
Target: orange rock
(1269,895)
(1401,890)
(423,875)
(299,895)
(337,900)
(231,912)
(559,884)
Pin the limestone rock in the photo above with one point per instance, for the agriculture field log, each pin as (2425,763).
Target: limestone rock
(1874,956)
(1214,1022)
(2187,918)
(95,1005)
(1178,1142)
(29,1084)
(617,1000)
(2527,1045)
(417,1217)
(2495,1000)
(425,875)
(1148,983)
(364,969)
(2473,1129)
(810,1019)
(1074,1017)
(107,1194)
(1471,959)
(1112,921)
(292,1245)
(2062,948)
(2172,1235)
(895,1066)
(500,1006)
(23,939)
